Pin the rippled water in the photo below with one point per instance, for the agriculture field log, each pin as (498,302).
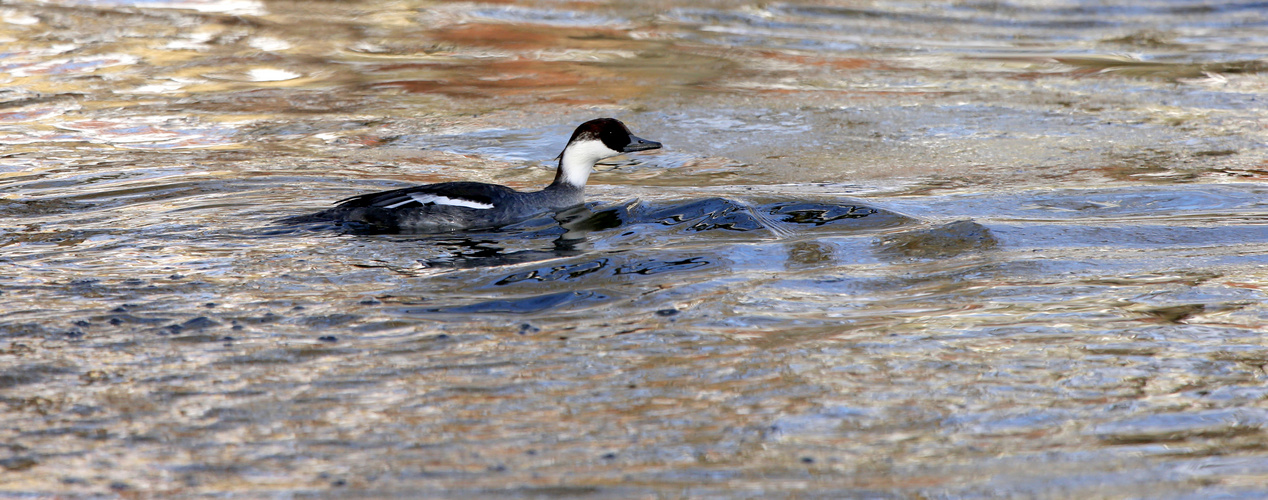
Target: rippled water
(891,249)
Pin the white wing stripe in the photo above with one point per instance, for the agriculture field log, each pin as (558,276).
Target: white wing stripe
(424,199)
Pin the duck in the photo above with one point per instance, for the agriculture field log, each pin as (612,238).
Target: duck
(460,206)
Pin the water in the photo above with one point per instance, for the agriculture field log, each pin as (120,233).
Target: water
(891,249)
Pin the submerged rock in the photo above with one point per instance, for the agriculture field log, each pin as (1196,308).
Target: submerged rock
(947,240)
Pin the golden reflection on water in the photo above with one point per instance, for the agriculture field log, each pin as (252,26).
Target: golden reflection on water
(1051,287)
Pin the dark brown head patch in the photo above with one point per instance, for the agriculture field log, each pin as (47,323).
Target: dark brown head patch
(611,131)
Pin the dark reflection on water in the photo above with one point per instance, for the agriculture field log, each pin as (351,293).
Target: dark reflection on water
(537,304)
(572,232)
(562,272)
(606,246)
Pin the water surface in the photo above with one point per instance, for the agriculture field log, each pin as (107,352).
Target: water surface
(891,249)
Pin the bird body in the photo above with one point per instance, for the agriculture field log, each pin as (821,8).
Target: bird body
(455,206)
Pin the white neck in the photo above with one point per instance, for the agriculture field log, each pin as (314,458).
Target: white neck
(579,158)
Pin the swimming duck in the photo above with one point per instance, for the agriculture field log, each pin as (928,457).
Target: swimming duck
(456,206)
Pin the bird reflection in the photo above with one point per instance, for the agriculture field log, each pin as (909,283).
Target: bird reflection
(570,227)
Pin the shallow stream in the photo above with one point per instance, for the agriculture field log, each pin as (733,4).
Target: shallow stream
(891,250)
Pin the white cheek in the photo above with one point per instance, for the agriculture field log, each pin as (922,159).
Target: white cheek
(591,151)
(579,158)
